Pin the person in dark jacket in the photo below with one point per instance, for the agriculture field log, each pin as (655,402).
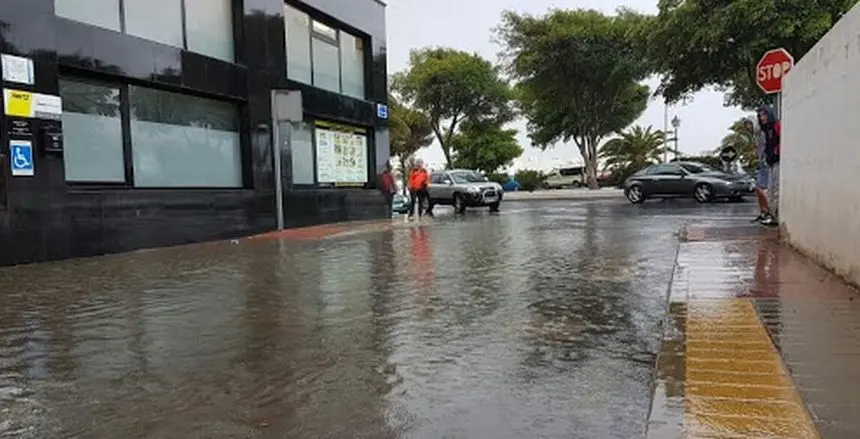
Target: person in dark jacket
(388,187)
(771,132)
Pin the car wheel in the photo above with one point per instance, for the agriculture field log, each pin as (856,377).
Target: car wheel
(703,193)
(494,207)
(459,204)
(635,194)
(577,184)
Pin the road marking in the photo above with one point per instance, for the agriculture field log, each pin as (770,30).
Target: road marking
(744,389)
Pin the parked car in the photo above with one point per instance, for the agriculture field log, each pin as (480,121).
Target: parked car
(685,179)
(463,188)
(401,204)
(563,178)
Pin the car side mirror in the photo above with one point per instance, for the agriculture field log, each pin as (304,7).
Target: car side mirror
(449,182)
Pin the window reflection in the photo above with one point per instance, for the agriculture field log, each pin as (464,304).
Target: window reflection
(92,130)
(183,141)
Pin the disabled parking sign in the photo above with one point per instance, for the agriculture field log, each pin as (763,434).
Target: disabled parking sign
(21,157)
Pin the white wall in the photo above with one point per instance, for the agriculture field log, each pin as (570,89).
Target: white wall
(820,164)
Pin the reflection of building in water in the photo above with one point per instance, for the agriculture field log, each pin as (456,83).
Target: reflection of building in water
(345,397)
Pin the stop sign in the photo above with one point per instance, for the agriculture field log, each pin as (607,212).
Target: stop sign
(771,68)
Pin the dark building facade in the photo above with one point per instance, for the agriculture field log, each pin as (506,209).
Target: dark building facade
(142,123)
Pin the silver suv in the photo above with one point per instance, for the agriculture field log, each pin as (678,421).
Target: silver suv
(463,188)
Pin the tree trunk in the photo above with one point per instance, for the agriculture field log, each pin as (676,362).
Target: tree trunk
(591,164)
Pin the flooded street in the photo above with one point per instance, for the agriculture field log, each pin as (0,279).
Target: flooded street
(541,322)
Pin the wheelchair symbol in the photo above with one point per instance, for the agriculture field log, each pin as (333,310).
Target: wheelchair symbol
(20,160)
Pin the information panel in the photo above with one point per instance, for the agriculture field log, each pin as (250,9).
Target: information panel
(341,155)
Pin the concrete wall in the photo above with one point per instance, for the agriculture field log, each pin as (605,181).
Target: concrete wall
(820,164)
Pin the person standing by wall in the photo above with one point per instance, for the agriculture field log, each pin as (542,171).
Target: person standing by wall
(388,187)
(419,180)
(771,132)
(762,179)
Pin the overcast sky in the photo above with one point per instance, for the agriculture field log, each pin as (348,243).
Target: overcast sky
(467,25)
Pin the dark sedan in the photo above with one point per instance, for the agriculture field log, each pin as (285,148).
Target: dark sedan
(687,179)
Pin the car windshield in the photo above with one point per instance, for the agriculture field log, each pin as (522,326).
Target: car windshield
(467,177)
(697,168)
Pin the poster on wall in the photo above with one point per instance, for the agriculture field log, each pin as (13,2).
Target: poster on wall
(341,155)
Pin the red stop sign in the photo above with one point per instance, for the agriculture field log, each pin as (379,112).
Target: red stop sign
(771,68)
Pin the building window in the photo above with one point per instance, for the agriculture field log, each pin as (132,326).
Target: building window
(208,27)
(323,56)
(183,141)
(302,153)
(165,139)
(352,65)
(326,65)
(341,153)
(102,13)
(156,20)
(92,127)
(298,39)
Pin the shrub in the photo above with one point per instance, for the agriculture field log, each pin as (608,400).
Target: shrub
(530,179)
(498,177)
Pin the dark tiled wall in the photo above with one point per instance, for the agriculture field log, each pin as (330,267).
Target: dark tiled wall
(44,218)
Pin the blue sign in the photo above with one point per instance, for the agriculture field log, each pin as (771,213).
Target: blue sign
(382,111)
(21,158)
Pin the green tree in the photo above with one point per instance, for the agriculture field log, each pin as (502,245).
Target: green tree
(578,76)
(633,149)
(409,130)
(699,43)
(742,138)
(486,146)
(451,86)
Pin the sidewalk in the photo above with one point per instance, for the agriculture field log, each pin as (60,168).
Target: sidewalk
(759,343)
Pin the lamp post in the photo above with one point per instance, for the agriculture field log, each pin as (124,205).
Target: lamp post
(676,123)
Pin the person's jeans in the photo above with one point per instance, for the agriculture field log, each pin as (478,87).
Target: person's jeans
(389,202)
(419,200)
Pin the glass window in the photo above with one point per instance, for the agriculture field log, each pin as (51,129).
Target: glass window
(184,141)
(352,65)
(467,177)
(92,131)
(326,65)
(209,28)
(324,31)
(667,169)
(697,168)
(156,20)
(302,153)
(102,13)
(298,39)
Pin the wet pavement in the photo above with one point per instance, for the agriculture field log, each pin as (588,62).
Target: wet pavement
(760,343)
(544,321)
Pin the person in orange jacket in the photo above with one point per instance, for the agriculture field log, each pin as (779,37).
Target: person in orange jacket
(419,180)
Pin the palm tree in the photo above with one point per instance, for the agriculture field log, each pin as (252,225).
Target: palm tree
(742,138)
(632,150)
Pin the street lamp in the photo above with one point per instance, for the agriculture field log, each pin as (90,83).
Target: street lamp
(676,123)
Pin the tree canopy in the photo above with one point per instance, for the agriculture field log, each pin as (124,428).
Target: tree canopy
(450,86)
(409,129)
(742,138)
(633,149)
(694,44)
(578,76)
(485,145)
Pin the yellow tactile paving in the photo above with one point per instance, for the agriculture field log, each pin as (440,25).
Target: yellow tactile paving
(736,385)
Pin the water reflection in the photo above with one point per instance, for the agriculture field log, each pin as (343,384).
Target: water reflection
(506,326)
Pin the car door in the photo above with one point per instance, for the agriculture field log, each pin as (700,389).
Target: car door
(666,179)
(440,187)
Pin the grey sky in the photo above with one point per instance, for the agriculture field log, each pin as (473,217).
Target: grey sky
(467,25)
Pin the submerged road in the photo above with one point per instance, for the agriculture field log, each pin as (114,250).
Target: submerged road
(540,322)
